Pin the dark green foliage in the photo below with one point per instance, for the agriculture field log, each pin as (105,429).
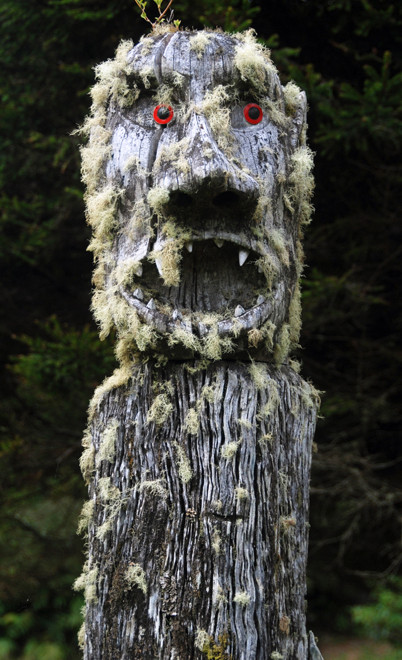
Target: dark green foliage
(346,54)
(382,619)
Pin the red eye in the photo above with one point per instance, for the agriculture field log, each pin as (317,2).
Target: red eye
(252,113)
(163,114)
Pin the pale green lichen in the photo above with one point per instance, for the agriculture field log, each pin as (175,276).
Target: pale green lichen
(107,447)
(87,582)
(282,346)
(242,598)
(216,109)
(253,61)
(153,487)
(216,542)
(157,198)
(266,439)
(245,423)
(87,462)
(135,577)
(272,404)
(185,338)
(169,253)
(291,93)
(81,637)
(277,240)
(119,377)
(259,375)
(86,514)
(107,491)
(101,214)
(295,320)
(173,155)
(287,523)
(301,184)
(241,493)
(199,42)
(229,450)
(161,408)
(192,421)
(184,467)
(201,639)
(269,266)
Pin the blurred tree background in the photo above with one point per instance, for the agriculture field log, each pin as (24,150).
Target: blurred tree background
(346,54)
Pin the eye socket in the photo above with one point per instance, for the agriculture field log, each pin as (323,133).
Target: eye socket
(163,114)
(253,113)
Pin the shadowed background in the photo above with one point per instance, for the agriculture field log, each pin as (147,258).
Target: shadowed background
(346,55)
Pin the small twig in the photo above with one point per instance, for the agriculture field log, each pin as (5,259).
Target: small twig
(164,12)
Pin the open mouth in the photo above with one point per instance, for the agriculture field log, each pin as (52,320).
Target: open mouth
(221,282)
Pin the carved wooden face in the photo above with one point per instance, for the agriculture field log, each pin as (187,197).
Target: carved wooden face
(203,183)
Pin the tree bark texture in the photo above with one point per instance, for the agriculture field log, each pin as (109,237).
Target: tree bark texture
(199,535)
(198,452)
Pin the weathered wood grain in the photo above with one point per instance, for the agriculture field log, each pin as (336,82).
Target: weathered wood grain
(216,519)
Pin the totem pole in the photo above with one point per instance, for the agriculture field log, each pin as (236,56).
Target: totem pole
(198,448)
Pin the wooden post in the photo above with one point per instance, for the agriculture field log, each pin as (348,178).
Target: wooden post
(198,448)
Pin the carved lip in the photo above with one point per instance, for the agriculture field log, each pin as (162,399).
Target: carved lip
(244,317)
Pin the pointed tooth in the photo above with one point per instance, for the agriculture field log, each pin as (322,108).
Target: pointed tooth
(176,315)
(158,263)
(239,310)
(151,304)
(218,242)
(139,270)
(260,299)
(243,254)
(138,294)
(189,246)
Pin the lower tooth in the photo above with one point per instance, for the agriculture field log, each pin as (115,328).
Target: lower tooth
(239,310)
(260,300)
(151,304)
(138,294)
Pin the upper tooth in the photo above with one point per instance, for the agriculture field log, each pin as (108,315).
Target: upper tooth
(138,270)
(158,263)
(189,246)
(260,299)
(243,254)
(151,304)
(218,242)
(176,315)
(138,294)
(239,310)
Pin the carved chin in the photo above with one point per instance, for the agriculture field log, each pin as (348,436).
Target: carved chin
(221,290)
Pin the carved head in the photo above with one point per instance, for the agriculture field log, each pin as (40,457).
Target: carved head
(198,183)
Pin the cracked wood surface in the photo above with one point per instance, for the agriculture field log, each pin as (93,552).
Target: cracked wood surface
(221,536)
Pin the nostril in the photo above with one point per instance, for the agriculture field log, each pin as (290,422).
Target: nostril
(227,198)
(181,199)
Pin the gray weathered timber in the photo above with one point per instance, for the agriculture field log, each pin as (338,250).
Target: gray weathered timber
(215,519)
(198,448)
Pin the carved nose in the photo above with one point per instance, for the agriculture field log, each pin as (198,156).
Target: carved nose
(213,186)
(207,204)
(227,199)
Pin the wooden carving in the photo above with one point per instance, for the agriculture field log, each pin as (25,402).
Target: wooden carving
(198,449)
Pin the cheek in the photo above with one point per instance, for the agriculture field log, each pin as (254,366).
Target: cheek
(130,149)
(254,153)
